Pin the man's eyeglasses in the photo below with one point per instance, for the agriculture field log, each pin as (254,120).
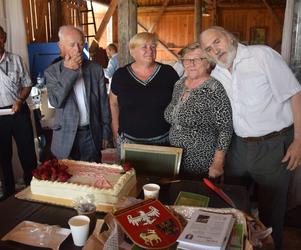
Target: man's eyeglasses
(187,61)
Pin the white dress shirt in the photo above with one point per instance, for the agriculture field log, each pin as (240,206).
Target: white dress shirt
(80,93)
(259,88)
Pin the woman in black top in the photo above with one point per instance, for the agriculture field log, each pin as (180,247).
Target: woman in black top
(140,92)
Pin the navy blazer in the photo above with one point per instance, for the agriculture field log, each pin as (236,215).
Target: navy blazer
(59,83)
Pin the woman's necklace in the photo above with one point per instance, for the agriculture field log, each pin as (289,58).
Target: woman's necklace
(187,90)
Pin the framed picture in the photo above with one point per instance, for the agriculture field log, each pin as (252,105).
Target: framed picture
(258,35)
(149,160)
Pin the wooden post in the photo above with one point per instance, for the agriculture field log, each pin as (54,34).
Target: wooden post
(214,12)
(56,19)
(197,19)
(127,28)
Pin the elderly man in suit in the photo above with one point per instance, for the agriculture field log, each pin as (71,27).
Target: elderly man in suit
(77,90)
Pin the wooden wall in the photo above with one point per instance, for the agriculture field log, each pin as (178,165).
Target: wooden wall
(176,27)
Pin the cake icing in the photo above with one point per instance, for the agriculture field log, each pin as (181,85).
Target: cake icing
(105,181)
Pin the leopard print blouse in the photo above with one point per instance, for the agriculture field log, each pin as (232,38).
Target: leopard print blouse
(200,124)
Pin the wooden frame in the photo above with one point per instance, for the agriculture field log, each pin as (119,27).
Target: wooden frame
(258,35)
(152,160)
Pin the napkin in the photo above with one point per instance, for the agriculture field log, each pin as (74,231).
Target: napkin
(36,234)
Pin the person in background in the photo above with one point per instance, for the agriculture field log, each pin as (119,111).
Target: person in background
(113,63)
(15,87)
(266,100)
(200,116)
(178,66)
(77,91)
(140,92)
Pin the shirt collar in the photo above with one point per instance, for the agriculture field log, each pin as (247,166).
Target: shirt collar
(3,57)
(242,53)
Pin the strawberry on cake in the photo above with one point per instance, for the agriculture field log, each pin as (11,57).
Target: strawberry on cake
(68,179)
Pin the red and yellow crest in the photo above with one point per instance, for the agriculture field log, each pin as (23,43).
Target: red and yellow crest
(149,224)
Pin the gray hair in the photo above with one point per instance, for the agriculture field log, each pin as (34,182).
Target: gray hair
(223,31)
(65,28)
(188,48)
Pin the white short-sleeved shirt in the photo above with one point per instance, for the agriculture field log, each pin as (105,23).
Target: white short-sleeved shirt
(13,77)
(259,88)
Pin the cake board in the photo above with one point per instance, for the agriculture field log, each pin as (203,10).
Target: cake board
(26,194)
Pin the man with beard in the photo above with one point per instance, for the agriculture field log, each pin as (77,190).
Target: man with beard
(266,98)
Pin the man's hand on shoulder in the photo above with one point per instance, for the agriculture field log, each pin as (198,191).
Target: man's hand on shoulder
(293,155)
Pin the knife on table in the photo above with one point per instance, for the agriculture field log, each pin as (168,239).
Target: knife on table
(220,192)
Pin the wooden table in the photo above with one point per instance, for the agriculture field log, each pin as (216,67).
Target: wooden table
(13,211)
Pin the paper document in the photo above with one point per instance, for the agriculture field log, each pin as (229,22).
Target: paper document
(6,112)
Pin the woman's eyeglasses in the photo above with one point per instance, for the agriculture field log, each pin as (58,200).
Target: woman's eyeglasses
(187,61)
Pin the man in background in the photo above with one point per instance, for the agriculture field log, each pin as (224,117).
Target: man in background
(266,98)
(113,63)
(77,91)
(15,87)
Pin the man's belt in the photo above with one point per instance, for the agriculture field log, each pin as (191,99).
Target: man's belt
(268,136)
(7,107)
(82,128)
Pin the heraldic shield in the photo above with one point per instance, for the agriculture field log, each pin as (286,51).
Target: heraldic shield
(149,224)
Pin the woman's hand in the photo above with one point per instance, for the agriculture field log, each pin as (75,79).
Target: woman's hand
(216,169)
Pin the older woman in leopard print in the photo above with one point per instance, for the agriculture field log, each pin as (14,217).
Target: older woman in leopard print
(200,116)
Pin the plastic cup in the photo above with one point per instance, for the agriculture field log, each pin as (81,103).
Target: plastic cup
(90,211)
(151,190)
(79,226)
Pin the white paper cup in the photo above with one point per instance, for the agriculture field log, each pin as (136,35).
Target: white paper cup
(79,226)
(151,190)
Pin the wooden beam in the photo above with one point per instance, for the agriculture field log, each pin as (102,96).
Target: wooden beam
(214,12)
(163,45)
(56,20)
(155,24)
(197,19)
(190,7)
(103,24)
(127,28)
(272,12)
(186,7)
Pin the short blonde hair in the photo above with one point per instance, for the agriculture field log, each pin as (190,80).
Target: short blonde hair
(141,38)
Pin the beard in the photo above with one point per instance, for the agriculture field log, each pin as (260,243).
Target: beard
(229,58)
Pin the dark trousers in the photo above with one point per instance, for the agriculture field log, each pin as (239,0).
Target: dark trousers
(18,126)
(84,148)
(260,162)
